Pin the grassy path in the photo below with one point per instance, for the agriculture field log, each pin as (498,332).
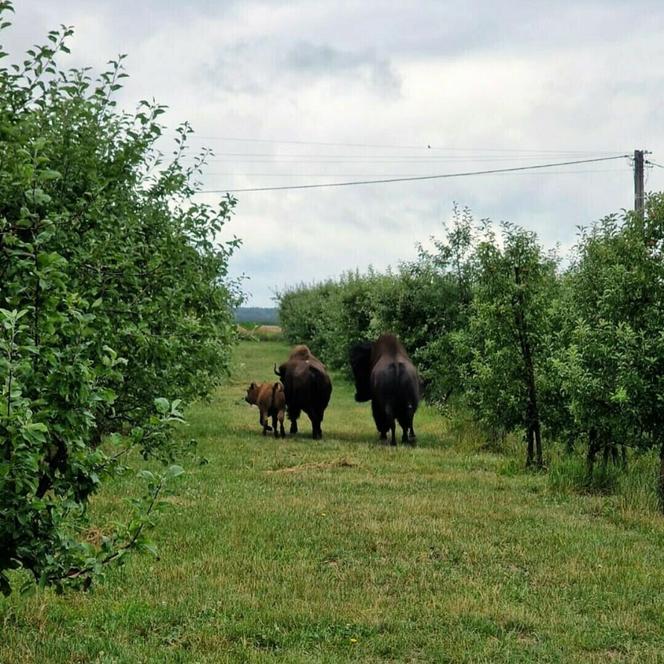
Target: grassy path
(344,550)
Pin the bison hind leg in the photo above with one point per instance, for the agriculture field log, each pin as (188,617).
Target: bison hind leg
(382,425)
(293,414)
(406,424)
(317,422)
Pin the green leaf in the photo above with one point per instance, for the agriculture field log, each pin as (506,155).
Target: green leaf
(162,405)
(175,471)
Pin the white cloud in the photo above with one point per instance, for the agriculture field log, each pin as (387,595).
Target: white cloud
(467,75)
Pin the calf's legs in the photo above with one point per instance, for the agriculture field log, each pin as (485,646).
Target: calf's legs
(264,423)
(278,418)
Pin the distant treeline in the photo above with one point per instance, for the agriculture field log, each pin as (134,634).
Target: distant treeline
(497,325)
(258,315)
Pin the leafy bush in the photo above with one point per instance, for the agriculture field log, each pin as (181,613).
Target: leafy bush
(508,325)
(424,302)
(613,367)
(114,304)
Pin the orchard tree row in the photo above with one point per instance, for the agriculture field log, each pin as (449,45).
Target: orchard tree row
(115,306)
(572,354)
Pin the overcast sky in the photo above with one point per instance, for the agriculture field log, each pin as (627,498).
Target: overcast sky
(484,84)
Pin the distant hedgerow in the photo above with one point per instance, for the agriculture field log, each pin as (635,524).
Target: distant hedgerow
(575,355)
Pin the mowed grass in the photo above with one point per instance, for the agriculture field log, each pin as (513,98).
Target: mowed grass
(346,550)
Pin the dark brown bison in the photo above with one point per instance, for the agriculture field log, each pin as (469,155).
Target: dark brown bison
(385,374)
(307,386)
(271,402)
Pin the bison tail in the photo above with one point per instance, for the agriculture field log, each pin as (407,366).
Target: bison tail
(321,385)
(276,388)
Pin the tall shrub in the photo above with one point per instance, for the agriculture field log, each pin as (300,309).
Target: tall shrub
(515,284)
(613,369)
(114,304)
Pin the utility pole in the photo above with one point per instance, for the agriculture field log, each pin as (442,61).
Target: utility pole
(638,181)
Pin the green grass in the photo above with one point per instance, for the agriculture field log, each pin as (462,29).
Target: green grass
(346,550)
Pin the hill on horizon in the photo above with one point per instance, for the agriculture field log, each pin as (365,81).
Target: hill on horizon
(260,315)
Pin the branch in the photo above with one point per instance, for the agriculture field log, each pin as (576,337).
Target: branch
(77,573)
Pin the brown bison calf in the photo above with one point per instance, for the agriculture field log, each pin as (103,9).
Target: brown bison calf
(271,402)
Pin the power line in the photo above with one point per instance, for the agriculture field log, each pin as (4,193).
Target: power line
(358,159)
(411,179)
(394,146)
(310,155)
(652,163)
(396,175)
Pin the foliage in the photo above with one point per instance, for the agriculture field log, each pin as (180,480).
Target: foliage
(425,302)
(613,367)
(508,325)
(114,302)
(329,316)
(574,355)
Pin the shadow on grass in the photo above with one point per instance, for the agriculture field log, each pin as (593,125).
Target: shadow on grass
(335,436)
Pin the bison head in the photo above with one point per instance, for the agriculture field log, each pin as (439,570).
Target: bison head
(252,394)
(281,371)
(360,362)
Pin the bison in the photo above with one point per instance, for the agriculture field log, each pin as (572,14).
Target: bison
(384,373)
(307,386)
(271,402)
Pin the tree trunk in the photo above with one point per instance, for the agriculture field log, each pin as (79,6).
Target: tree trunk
(592,451)
(569,444)
(660,483)
(605,456)
(529,453)
(538,443)
(532,410)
